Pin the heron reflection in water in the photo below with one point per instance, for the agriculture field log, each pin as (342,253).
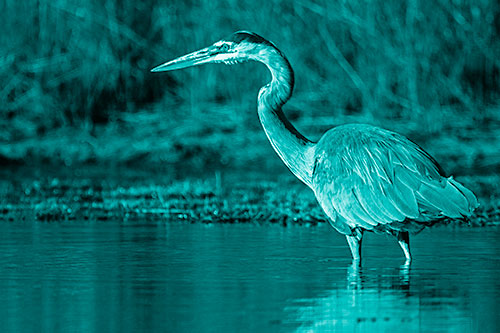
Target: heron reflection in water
(378,298)
(364,177)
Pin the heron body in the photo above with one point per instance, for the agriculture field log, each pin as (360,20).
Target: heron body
(364,177)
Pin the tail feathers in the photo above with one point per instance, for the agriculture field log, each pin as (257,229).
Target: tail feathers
(448,197)
(470,197)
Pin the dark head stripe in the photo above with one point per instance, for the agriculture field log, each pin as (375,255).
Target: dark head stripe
(250,37)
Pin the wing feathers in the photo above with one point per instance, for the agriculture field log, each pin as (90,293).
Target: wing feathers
(404,199)
(469,196)
(372,207)
(443,199)
(350,209)
(374,177)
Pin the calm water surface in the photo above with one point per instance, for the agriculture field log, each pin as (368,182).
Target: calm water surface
(130,277)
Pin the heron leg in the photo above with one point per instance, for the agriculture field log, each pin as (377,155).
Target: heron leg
(355,242)
(404,241)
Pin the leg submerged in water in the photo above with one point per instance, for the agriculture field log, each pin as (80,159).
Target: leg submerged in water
(403,238)
(355,242)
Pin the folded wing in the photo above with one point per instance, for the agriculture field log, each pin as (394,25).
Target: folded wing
(377,177)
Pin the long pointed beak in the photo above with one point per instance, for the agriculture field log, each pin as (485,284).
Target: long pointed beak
(192,59)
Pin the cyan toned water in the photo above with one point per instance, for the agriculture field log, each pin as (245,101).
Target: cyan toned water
(130,277)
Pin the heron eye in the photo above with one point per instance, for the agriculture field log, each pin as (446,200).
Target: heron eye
(224,48)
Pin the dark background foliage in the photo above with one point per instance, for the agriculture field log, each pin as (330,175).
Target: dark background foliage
(76,86)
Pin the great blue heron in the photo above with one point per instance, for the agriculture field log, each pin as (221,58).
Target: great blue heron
(364,177)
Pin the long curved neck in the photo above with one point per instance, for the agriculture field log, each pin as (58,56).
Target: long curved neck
(296,151)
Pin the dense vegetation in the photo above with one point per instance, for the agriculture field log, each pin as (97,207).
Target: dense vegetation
(217,198)
(76,85)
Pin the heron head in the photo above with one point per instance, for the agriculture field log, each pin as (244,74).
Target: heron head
(238,47)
